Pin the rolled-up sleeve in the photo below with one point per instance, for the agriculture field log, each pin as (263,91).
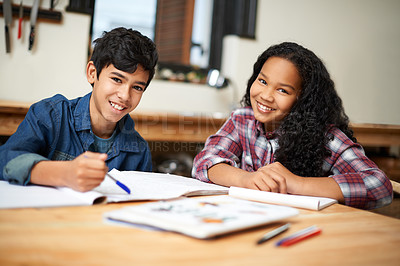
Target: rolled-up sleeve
(18,170)
(362,183)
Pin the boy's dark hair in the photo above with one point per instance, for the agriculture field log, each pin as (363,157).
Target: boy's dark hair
(125,49)
(303,132)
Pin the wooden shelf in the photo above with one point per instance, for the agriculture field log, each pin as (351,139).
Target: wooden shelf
(181,128)
(377,135)
(152,126)
(43,14)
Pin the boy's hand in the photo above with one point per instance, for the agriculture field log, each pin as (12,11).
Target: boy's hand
(86,171)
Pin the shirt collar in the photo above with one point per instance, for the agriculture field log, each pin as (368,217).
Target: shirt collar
(126,138)
(82,113)
(260,128)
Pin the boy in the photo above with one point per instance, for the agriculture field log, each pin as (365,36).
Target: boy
(73,143)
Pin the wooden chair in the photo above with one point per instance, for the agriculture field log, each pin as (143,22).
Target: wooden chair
(396,187)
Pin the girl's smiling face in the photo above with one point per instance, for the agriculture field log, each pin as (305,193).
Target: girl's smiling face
(275,91)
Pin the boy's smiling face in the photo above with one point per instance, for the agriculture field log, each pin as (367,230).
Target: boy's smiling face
(115,94)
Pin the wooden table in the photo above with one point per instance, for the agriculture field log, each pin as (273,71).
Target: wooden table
(77,235)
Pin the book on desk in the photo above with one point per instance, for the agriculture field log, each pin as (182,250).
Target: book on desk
(143,186)
(204,217)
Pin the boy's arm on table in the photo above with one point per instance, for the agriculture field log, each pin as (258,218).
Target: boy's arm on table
(83,173)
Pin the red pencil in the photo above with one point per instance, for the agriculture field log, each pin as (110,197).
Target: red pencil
(299,238)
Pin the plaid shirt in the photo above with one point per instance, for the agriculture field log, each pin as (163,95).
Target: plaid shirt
(242,142)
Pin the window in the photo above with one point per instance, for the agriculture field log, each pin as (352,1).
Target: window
(186,32)
(137,14)
(178,21)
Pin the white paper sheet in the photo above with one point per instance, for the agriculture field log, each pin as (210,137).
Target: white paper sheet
(305,202)
(15,196)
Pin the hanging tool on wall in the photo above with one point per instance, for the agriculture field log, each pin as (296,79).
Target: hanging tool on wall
(34,14)
(20,19)
(7,10)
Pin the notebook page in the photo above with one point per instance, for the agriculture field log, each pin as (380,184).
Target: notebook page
(33,196)
(154,186)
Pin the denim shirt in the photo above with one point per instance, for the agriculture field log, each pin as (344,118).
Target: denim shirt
(60,129)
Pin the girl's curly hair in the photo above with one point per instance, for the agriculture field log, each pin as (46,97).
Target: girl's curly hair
(303,132)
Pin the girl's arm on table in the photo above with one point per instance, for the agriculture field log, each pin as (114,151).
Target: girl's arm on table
(275,178)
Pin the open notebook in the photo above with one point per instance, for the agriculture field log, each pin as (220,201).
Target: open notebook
(204,217)
(143,186)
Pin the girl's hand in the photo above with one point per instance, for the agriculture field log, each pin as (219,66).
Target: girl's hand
(273,178)
(86,171)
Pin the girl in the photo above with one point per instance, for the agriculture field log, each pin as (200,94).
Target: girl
(292,136)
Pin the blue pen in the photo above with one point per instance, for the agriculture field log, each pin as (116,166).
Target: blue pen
(119,184)
(116,181)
